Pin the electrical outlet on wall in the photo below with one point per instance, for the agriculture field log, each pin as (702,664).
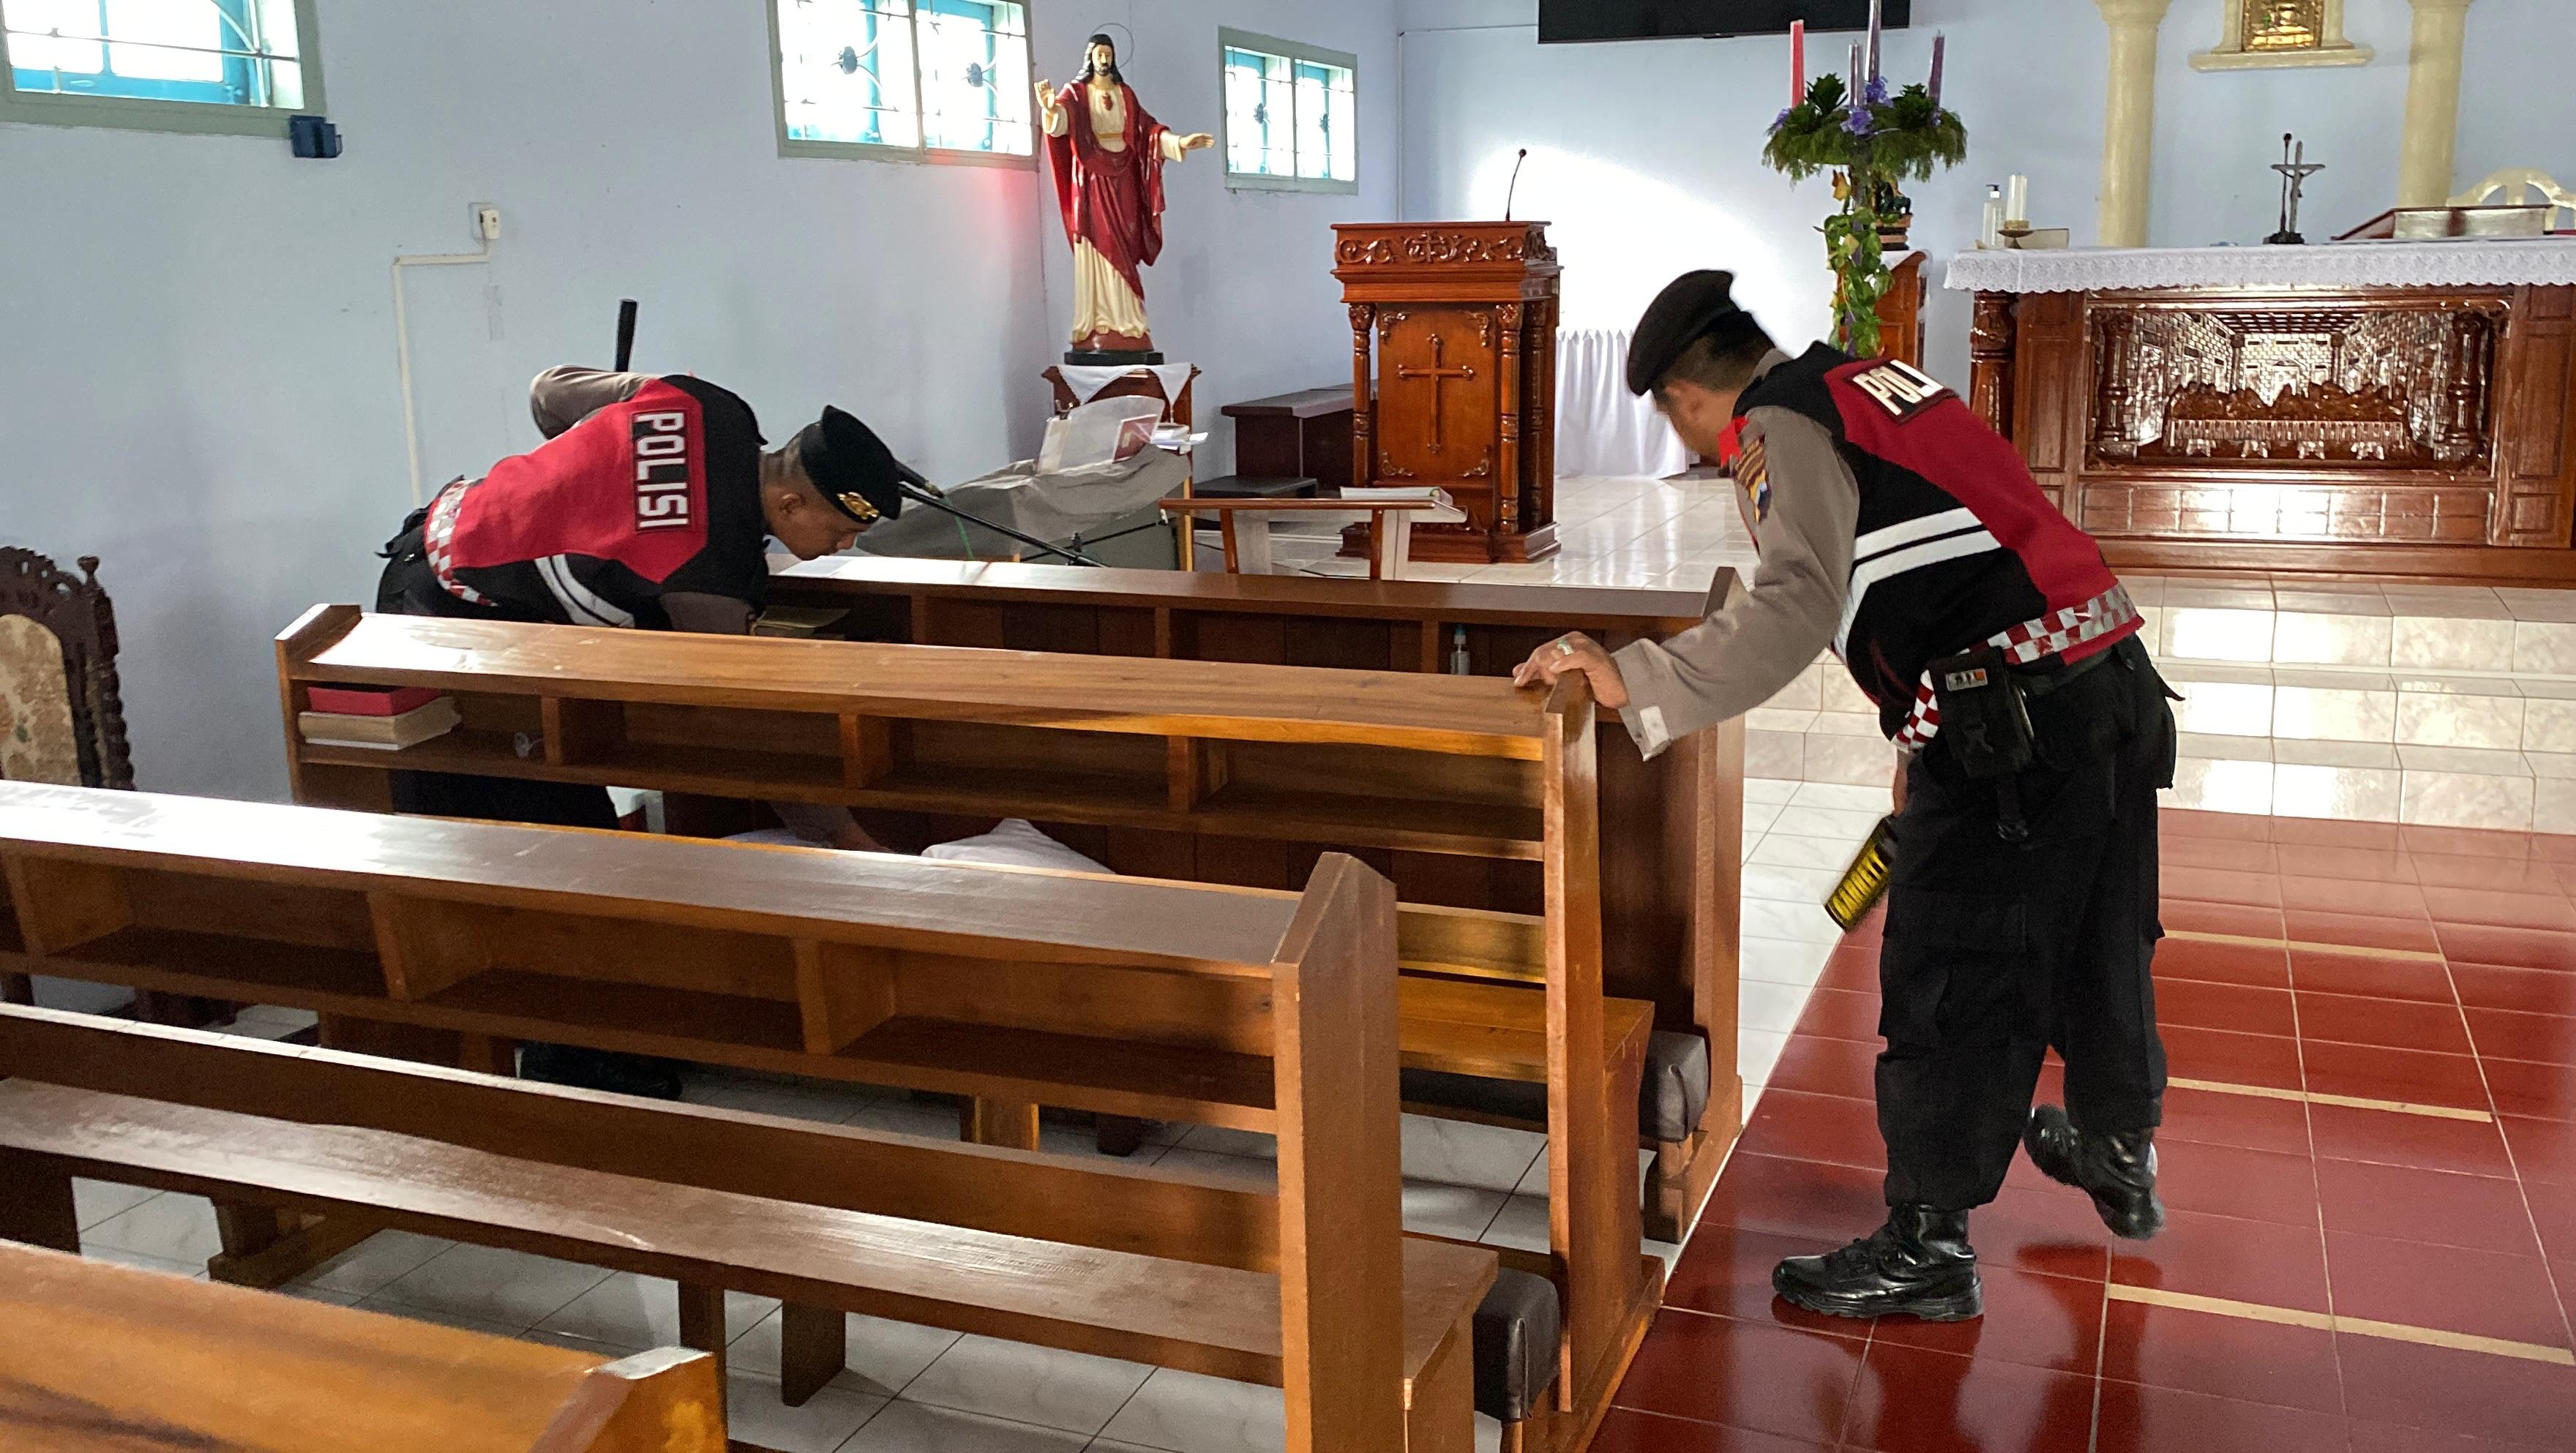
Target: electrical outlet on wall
(487,221)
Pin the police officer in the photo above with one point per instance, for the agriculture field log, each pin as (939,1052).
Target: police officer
(649,505)
(1897,529)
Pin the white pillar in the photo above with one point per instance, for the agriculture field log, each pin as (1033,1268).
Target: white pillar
(2129,119)
(2432,132)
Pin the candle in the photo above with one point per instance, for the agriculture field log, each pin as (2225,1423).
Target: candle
(1940,43)
(1856,77)
(1873,39)
(1797,61)
(2017,199)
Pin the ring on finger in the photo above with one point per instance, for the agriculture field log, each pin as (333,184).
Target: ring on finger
(1564,646)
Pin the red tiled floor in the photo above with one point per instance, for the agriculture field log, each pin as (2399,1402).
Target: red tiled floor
(2361,975)
(2404,1075)
(2445,1287)
(1840,1014)
(2222,885)
(2358,930)
(2220,1256)
(2393,1023)
(2236,1059)
(2493,875)
(1833,1128)
(1767,1379)
(2227,1357)
(2051,1322)
(2521,948)
(2385,1137)
(1827,1067)
(2224,1180)
(2053,1231)
(2251,1121)
(2504,909)
(2245,921)
(2139,1419)
(2458,1392)
(1628,1431)
(1804,1198)
(2543,1150)
(2481,1213)
(2197,1004)
(2354,895)
(2544,1092)
(1726,1271)
(2525,991)
(2425,1221)
(2257,966)
(1913,1401)
(2505,1034)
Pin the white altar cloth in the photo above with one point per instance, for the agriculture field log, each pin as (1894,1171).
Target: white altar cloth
(2534,262)
(1087,380)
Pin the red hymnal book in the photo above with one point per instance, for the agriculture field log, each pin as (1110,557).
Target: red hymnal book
(370,700)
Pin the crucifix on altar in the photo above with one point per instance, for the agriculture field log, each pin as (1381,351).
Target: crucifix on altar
(1453,370)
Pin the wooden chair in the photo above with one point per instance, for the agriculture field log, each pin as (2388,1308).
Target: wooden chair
(1012,987)
(62,718)
(96,1352)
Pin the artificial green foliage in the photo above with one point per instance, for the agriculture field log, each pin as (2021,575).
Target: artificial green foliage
(1871,142)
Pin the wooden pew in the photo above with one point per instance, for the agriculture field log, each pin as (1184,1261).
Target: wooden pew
(1183,995)
(1670,829)
(1189,752)
(106,1359)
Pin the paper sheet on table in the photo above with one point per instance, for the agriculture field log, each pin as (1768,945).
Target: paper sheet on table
(1102,432)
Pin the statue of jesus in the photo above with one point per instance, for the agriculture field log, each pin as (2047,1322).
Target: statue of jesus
(1108,162)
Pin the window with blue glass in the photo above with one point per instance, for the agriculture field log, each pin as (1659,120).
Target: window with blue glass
(1291,115)
(935,78)
(132,61)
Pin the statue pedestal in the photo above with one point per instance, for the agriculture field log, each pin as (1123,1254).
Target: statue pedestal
(1456,323)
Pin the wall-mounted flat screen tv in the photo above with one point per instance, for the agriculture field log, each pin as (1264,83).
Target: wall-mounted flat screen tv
(1562,22)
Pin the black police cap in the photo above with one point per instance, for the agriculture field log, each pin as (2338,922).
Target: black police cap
(1682,314)
(852,468)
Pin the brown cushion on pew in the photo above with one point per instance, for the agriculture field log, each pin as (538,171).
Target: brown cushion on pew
(1216,1320)
(1516,1330)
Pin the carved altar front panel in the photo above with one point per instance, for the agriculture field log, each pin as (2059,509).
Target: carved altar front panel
(2431,425)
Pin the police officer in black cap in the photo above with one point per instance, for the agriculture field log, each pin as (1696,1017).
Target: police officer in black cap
(1900,532)
(649,505)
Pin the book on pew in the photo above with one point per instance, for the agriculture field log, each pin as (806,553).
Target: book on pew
(436,718)
(369,700)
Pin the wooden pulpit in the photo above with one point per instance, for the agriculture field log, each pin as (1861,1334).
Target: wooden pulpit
(1456,321)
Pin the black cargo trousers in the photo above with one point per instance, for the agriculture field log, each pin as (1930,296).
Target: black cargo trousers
(1997,951)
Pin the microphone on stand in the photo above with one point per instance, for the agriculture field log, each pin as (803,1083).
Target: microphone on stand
(1516,183)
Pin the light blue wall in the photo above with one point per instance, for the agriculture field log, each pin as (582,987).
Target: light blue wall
(197,362)
(1646,155)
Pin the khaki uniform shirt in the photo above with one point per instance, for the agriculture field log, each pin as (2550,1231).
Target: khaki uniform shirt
(1763,637)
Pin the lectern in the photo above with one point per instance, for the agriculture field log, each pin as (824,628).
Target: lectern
(1457,323)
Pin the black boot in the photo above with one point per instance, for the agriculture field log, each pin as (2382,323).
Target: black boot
(2117,1171)
(1917,1265)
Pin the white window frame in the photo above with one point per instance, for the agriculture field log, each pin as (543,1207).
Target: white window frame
(920,154)
(200,118)
(1229,40)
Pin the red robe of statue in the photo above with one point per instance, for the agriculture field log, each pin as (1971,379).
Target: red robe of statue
(1111,199)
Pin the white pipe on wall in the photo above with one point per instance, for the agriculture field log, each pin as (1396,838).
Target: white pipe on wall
(402,350)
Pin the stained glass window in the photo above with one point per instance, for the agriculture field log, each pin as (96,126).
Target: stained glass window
(1291,114)
(949,77)
(110,55)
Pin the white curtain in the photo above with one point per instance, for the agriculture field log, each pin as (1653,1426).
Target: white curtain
(1601,428)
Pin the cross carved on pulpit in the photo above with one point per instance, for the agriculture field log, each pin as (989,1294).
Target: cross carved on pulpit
(1438,375)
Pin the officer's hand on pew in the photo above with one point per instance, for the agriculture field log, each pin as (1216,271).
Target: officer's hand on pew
(1575,652)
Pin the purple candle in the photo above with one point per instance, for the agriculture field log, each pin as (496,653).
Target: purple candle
(1940,43)
(1873,39)
(1857,79)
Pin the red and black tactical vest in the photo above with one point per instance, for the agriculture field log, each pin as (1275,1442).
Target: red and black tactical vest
(1956,544)
(660,493)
